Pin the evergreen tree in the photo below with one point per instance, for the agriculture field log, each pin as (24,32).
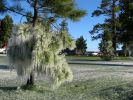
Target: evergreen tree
(126,19)
(108,8)
(106,47)
(2,6)
(81,45)
(29,17)
(45,11)
(66,37)
(0,35)
(6,29)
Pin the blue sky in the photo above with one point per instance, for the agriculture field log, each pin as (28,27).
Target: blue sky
(81,28)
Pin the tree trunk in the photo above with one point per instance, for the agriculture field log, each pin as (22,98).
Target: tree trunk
(114,26)
(31,79)
(114,44)
(35,13)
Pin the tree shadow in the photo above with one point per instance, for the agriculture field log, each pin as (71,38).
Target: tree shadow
(117,93)
(4,67)
(8,88)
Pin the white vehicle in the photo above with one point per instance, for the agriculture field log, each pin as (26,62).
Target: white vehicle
(95,54)
(3,50)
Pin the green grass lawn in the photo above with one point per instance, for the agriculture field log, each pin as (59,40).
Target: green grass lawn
(3,58)
(95,58)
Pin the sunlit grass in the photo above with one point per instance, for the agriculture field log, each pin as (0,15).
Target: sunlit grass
(106,88)
(96,58)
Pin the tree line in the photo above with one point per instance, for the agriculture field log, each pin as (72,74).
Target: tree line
(6,26)
(117,26)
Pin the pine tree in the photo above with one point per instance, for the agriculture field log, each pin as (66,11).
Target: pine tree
(6,29)
(108,8)
(81,45)
(44,13)
(2,6)
(126,19)
(106,47)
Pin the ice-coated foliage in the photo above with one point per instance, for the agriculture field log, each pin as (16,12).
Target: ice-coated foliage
(20,49)
(107,50)
(36,49)
(67,41)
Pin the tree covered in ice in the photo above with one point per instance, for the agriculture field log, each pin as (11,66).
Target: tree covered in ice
(40,52)
(35,46)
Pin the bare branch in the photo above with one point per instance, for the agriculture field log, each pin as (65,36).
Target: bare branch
(18,12)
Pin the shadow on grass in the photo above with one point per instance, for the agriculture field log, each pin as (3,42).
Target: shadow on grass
(37,88)
(8,88)
(118,93)
(4,67)
(23,87)
(29,87)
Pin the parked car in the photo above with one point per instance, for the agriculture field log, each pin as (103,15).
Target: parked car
(95,53)
(3,50)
